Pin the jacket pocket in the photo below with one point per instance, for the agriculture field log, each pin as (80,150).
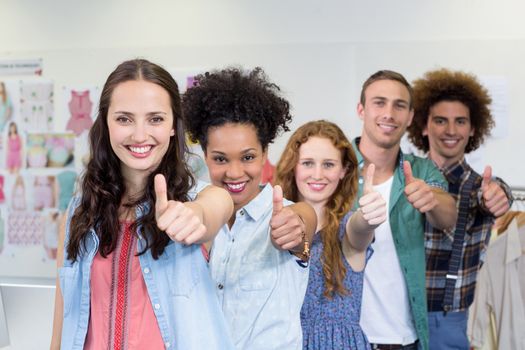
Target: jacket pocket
(68,278)
(184,268)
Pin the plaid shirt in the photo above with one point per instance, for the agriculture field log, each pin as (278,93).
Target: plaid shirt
(438,243)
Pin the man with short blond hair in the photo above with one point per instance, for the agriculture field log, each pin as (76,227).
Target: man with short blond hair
(394,305)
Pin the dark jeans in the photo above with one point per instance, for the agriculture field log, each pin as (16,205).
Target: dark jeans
(448,331)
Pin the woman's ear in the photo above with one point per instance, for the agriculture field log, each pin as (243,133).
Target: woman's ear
(343,173)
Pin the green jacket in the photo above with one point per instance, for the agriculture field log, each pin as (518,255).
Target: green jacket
(408,231)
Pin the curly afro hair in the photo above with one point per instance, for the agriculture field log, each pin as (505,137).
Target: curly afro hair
(234,96)
(446,85)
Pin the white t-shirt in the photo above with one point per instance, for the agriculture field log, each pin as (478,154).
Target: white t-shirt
(385,311)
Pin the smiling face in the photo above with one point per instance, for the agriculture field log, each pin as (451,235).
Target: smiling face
(319,171)
(235,160)
(386,113)
(140,123)
(448,129)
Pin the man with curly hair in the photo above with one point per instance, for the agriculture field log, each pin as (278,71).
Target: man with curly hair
(394,302)
(452,117)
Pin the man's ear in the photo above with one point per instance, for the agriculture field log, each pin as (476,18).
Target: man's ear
(361,111)
(411,116)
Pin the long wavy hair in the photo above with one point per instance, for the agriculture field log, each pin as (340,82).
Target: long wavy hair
(339,203)
(102,185)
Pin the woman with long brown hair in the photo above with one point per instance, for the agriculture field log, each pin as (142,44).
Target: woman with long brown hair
(131,271)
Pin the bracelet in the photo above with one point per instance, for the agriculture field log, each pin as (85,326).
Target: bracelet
(305,255)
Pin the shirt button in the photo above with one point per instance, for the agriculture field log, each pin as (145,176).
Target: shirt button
(220,286)
(146,270)
(241,212)
(360,180)
(167,344)
(157,306)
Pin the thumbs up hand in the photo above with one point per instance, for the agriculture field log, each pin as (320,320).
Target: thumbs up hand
(371,204)
(493,196)
(181,222)
(287,228)
(417,191)
(277,200)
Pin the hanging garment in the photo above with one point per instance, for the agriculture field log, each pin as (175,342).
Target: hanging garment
(501,292)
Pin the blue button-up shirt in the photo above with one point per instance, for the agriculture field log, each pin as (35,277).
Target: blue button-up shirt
(179,287)
(261,289)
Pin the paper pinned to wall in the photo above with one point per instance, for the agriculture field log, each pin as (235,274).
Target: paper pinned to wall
(185,77)
(21,66)
(498,87)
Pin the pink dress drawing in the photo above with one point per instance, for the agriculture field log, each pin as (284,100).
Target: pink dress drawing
(2,194)
(14,152)
(18,197)
(80,108)
(43,193)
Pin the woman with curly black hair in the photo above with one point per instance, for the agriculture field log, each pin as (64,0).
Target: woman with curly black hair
(130,262)
(261,283)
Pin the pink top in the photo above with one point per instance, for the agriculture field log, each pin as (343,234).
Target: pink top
(14,152)
(121,314)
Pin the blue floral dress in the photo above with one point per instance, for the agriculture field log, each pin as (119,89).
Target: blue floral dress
(332,323)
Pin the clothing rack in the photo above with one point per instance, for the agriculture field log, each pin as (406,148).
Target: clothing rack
(519,198)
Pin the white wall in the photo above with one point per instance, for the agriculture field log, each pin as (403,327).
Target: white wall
(56,24)
(319,52)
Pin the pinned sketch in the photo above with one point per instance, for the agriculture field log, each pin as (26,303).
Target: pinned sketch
(50,150)
(81,106)
(36,104)
(185,77)
(14,148)
(499,92)
(6,105)
(21,66)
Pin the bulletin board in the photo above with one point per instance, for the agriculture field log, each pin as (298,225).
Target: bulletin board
(40,158)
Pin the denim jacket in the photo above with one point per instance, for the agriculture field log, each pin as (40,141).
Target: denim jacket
(179,286)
